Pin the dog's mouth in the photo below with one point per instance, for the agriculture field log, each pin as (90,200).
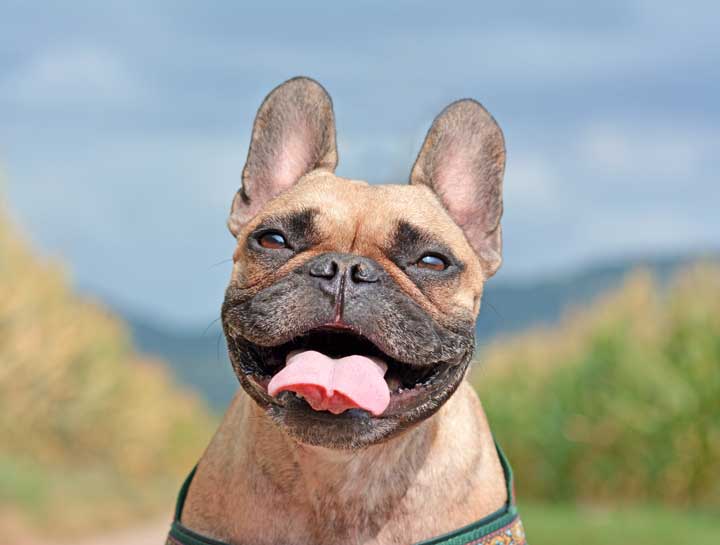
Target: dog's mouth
(337,371)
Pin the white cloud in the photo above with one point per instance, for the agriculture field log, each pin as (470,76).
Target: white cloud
(649,231)
(71,75)
(531,184)
(645,150)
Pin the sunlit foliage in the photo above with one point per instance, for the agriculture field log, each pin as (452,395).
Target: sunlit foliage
(90,432)
(619,402)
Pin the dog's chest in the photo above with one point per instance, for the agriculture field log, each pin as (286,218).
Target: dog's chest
(337,525)
(384,514)
(349,511)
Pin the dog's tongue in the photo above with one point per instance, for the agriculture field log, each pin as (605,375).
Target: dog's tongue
(334,385)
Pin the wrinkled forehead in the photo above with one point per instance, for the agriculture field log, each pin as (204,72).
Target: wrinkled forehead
(364,214)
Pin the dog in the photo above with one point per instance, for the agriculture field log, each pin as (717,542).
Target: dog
(349,320)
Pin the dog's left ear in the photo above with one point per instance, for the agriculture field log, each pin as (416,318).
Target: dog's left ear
(293,134)
(463,161)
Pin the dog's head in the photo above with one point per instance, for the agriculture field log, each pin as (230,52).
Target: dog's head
(391,273)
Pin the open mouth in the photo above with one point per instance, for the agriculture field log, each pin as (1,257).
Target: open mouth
(338,370)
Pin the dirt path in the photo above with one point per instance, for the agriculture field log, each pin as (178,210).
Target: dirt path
(152,534)
(147,534)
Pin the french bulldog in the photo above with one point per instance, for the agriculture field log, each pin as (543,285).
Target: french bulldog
(349,320)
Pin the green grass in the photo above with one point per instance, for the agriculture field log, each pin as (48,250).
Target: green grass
(557,524)
(41,499)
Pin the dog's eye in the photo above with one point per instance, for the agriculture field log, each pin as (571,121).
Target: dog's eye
(433,261)
(272,240)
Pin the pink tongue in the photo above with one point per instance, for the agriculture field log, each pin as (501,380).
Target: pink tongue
(334,385)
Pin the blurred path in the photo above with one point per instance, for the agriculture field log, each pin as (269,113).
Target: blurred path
(148,534)
(151,534)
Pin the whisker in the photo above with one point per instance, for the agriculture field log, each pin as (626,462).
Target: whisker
(210,325)
(217,347)
(494,309)
(219,263)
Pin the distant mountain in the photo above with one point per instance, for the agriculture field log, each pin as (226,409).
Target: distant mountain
(513,306)
(198,355)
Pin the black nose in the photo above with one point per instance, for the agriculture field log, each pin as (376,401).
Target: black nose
(335,268)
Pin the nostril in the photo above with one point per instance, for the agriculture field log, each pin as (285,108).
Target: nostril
(326,268)
(361,272)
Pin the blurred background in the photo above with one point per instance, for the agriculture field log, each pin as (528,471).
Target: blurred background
(123,131)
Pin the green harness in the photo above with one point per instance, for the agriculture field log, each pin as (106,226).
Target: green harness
(503,527)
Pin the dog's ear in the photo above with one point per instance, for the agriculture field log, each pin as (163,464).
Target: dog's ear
(293,134)
(463,161)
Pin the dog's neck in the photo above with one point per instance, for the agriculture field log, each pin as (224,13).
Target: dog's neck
(257,485)
(365,478)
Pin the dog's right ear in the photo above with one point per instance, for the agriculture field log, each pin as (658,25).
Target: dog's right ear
(293,134)
(463,161)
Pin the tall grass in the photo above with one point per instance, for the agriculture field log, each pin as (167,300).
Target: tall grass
(620,402)
(90,432)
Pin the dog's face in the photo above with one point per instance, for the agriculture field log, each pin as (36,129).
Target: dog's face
(341,267)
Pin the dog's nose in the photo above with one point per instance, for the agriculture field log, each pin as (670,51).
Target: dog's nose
(365,270)
(333,268)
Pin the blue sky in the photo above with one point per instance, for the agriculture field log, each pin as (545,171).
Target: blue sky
(124,126)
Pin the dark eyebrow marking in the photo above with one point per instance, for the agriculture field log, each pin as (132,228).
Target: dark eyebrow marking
(408,242)
(300,227)
(408,234)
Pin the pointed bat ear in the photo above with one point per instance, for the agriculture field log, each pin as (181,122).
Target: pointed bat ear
(293,134)
(463,161)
